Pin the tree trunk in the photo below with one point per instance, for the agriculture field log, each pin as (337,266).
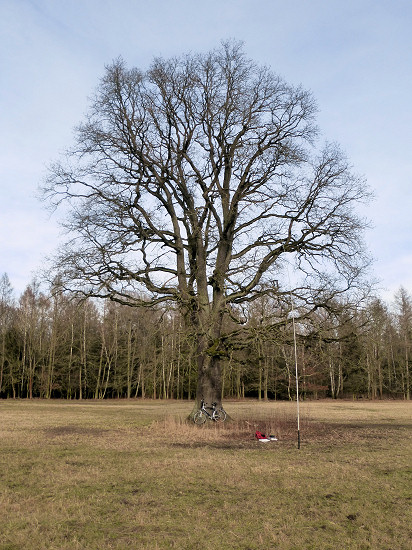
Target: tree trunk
(210,355)
(209,380)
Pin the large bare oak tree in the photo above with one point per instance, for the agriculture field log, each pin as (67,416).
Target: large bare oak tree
(192,182)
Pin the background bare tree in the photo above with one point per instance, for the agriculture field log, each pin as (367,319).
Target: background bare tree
(403,302)
(192,182)
(6,308)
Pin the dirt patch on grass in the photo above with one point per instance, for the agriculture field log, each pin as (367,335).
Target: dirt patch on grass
(59,431)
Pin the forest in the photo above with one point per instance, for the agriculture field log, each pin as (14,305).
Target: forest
(55,346)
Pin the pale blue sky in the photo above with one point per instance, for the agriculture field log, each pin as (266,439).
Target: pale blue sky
(354,55)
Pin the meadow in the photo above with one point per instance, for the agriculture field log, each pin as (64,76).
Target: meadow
(135,474)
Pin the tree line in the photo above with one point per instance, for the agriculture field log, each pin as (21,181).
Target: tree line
(53,346)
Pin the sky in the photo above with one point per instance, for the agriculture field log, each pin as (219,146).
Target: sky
(354,55)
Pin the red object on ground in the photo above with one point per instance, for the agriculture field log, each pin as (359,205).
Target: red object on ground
(261,437)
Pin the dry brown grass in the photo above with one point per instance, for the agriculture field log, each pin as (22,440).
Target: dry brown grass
(236,433)
(133,474)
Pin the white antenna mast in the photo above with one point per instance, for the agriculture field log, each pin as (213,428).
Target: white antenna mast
(296,366)
(293,313)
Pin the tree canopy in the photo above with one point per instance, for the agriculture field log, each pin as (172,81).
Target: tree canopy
(193,182)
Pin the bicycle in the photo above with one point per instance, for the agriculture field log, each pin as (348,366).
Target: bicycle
(203,414)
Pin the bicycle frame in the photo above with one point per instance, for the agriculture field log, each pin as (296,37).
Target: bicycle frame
(204,409)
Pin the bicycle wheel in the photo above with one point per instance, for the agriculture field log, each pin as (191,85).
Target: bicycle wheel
(219,415)
(199,417)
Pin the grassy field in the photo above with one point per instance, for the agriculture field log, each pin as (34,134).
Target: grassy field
(135,474)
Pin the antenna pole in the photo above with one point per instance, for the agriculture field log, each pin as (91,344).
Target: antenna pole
(296,369)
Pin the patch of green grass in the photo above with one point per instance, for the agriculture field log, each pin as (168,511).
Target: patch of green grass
(135,474)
